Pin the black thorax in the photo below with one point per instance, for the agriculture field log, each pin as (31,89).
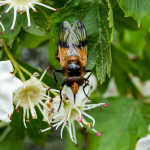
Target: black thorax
(74,69)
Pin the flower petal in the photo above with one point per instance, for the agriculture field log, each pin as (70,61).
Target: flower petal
(6,105)
(54,105)
(143,143)
(9,81)
(92,81)
(7,78)
(5,67)
(8,84)
(79,96)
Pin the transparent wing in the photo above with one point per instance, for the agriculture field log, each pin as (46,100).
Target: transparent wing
(63,35)
(72,42)
(78,34)
(63,45)
(78,41)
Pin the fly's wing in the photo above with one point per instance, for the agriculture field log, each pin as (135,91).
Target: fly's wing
(78,40)
(63,45)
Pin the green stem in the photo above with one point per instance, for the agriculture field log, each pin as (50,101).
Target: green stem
(5,133)
(28,73)
(13,60)
(3,124)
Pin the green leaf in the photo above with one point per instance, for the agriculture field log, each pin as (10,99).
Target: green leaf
(99,30)
(86,140)
(56,3)
(3,55)
(29,40)
(52,48)
(122,67)
(32,127)
(132,44)
(103,87)
(143,61)
(68,144)
(39,23)
(15,47)
(121,124)
(139,8)
(17,125)
(120,21)
(146,24)
(11,143)
(122,61)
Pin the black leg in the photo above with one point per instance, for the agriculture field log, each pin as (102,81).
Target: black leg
(86,84)
(89,74)
(55,77)
(61,95)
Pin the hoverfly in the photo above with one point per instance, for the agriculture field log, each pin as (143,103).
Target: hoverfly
(72,45)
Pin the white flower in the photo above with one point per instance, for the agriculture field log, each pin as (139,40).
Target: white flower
(143,143)
(8,85)
(22,6)
(30,95)
(53,104)
(70,112)
(92,80)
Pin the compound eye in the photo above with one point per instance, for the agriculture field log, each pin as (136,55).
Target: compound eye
(69,81)
(79,80)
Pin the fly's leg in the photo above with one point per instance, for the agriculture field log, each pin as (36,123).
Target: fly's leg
(84,88)
(60,71)
(87,83)
(61,95)
(89,74)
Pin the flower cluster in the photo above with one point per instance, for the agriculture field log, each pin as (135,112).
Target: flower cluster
(70,112)
(22,6)
(31,93)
